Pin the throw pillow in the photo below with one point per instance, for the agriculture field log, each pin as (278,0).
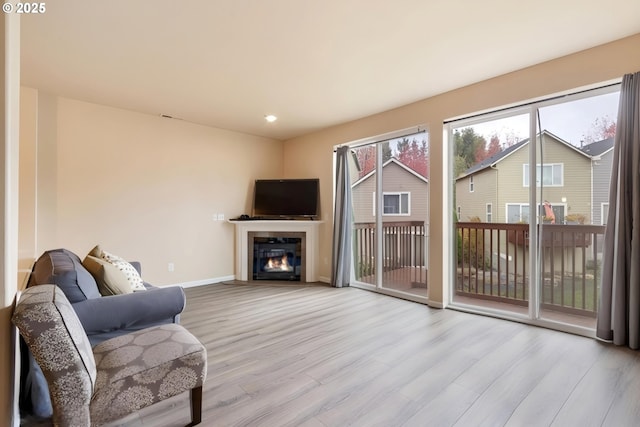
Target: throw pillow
(96,251)
(110,280)
(129,271)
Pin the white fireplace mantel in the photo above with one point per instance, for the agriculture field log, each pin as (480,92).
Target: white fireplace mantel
(311,255)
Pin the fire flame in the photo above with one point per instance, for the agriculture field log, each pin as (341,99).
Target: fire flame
(278,264)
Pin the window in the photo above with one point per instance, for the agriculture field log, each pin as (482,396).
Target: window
(459,213)
(394,203)
(471,184)
(551,175)
(489,212)
(517,212)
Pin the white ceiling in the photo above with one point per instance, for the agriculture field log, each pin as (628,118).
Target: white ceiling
(313,63)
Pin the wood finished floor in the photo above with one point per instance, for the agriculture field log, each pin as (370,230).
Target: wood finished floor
(291,355)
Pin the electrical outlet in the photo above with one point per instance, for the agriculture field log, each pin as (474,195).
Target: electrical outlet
(171,267)
(220,217)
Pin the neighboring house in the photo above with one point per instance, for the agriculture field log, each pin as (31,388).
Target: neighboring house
(602,161)
(405,194)
(405,215)
(497,189)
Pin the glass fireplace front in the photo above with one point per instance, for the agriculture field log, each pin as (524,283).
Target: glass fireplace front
(277,258)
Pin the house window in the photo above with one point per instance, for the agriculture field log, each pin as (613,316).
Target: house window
(471,184)
(394,203)
(459,213)
(547,175)
(489,212)
(517,213)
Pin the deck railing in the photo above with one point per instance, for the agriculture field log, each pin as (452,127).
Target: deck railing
(493,263)
(404,247)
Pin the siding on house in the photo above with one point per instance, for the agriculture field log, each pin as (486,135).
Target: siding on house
(601,182)
(475,203)
(395,178)
(505,183)
(602,165)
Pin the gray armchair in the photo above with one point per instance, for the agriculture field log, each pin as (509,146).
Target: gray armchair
(91,387)
(102,317)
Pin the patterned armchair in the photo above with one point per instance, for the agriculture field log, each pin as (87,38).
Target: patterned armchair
(90,387)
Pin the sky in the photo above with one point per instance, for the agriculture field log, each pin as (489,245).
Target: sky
(571,121)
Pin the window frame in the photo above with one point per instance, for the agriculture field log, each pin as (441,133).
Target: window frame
(489,213)
(525,174)
(471,184)
(520,205)
(394,193)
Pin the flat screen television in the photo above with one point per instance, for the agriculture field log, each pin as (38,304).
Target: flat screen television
(286,198)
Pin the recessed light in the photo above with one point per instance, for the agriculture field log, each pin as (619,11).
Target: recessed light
(270,118)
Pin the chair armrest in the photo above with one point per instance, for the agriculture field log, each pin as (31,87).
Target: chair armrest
(130,311)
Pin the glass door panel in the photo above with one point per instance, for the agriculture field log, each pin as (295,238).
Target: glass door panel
(405,204)
(575,152)
(491,212)
(390,205)
(363,188)
(529,239)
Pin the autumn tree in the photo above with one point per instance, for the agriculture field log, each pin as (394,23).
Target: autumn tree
(367,157)
(414,154)
(601,128)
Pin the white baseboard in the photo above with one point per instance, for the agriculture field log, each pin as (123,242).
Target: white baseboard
(324,279)
(204,282)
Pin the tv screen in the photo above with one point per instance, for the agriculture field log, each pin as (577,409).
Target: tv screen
(286,198)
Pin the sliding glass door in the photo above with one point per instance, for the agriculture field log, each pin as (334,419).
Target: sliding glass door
(390,205)
(529,238)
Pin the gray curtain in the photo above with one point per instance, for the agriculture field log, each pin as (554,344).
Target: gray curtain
(341,259)
(619,311)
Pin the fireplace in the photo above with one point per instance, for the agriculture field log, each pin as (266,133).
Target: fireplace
(277,258)
(306,231)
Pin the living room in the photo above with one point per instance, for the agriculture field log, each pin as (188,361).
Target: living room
(160,190)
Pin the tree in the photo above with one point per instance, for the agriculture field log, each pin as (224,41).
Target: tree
(367,157)
(467,145)
(601,128)
(494,146)
(414,155)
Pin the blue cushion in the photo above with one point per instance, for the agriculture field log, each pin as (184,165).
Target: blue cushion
(63,268)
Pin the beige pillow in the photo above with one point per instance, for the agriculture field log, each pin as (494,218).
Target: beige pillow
(110,280)
(96,252)
(129,270)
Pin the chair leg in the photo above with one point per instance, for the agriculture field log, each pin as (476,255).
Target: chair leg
(196,406)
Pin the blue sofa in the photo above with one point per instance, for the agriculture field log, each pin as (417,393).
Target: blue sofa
(102,317)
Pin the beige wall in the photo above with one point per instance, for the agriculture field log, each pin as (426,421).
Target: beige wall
(27,184)
(143,187)
(313,153)
(9,177)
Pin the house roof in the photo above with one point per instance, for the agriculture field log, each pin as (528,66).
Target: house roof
(385,164)
(598,148)
(498,157)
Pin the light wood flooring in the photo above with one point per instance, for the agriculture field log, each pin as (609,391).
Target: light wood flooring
(312,355)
